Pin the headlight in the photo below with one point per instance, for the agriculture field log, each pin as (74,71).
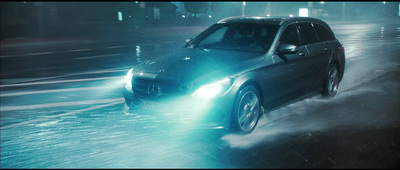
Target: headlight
(128,80)
(213,89)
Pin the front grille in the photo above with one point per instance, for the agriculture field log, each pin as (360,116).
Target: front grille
(168,88)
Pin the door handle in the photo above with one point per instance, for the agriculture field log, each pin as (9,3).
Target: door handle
(302,54)
(326,49)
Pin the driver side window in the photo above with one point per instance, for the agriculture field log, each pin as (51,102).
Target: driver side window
(290,35)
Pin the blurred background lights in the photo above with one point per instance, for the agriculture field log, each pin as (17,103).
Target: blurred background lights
(303,12)
(119,16)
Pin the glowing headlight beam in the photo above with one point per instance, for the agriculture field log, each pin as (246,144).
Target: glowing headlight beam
(128,79)
(214,89)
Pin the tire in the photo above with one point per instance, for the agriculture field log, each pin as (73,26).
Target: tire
(246,111)
(331,82)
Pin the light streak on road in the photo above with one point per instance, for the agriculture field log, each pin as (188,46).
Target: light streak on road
(56,91)
(43,53)
(98,56)
(60,104)
(58,52)
(115,47)
(80,50)
(61,81)
(119,101)
(77,50)
(121,69)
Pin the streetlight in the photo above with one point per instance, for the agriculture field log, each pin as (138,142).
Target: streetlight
(243,7)
(343,10)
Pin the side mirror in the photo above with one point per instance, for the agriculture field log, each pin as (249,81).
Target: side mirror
(188,41)
(285,48)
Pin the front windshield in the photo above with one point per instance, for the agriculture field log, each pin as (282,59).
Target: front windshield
(249,37)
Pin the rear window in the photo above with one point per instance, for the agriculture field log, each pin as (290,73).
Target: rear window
(323,34)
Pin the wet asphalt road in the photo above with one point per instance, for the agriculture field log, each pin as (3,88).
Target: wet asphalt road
(61,107)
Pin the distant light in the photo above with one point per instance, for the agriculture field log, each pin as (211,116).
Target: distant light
(136,1)
(119,15)
(322,2)
(291,15)
(142,5)
(268,15)
(183,16)
(303,12)
(384,2)
(244,3)
(209,16)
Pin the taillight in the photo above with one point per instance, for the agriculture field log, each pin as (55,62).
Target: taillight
(341,47)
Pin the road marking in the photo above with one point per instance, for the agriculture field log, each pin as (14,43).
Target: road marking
(49,52)
(42,53)
(56,91)
(119,101)
(60,81)
(31,54)
(144,44)
(115,47)
(97,56)
(169,42)
(80,50)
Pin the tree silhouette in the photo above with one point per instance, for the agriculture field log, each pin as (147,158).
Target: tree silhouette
(196,7)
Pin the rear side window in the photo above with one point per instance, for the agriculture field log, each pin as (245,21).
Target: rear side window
(323,33)
(307,33)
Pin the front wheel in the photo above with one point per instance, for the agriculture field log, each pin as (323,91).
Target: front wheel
(331,83)
(246,110)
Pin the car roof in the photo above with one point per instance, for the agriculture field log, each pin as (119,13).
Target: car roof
(269,20)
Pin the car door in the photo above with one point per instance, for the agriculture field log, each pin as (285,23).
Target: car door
(327,42)
(313,64)
(290,71)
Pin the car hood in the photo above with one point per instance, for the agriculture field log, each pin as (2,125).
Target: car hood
(190,64)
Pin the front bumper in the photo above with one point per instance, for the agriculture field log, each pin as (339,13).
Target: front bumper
(190,112)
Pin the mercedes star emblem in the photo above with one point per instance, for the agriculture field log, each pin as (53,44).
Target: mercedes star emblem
(154,90)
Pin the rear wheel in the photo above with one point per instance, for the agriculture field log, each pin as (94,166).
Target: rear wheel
(331,83)
(246,111)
